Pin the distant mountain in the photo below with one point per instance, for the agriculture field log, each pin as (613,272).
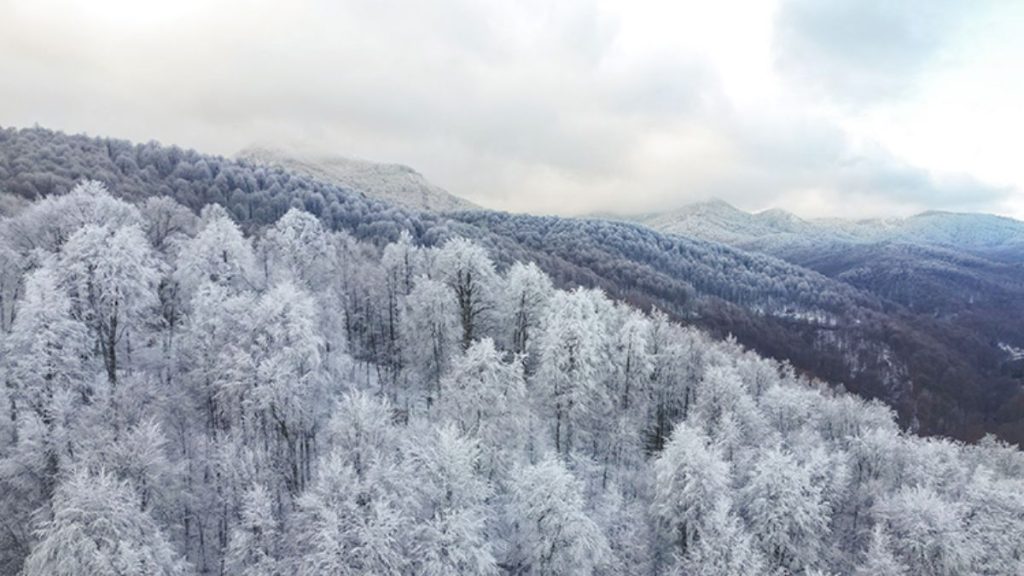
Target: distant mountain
(935,262)
(719,221)
(959,277)
(395,183)
(777,230)
(940,377)
(992,236)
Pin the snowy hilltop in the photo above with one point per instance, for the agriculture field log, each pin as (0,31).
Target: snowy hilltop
(775,229)
(394,183)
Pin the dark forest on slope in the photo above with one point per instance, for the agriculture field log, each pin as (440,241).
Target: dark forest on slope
(957,276)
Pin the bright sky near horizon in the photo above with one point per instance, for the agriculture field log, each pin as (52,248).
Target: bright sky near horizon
(824,108)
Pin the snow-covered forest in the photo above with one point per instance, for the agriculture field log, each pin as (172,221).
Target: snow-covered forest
(939,378)
(180,398)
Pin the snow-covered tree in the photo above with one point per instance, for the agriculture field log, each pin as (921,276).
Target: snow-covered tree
(675,360)
(112,277)
(361,433)
(486,397)
(928,532)
(46,380)
(430,320)
(573,365)
(278,387)
(526,295)
(11,269)
(351,522)
(632,360)
(785,511)
(691,478)
(723,402)
(357,517)
(625,521)
(46,350)
(167,222)
(211,349)
(725,547)
(467,269)
(255,542)
(297,249)
(879,558)
(135,452)
(450,534)
(402,263)
(99,528)
(219,253)
(551,531)
(994,505)
(49,223)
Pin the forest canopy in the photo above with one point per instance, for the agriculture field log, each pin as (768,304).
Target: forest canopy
(184,395)
(939,378)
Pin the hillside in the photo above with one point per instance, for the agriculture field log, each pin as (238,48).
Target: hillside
(824,327)
(719,221)
(959,277)
(986,235)
(182,398)
(393,183)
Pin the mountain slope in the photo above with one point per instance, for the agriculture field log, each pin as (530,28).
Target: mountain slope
(994,237)
(936,263)
(987,235)
(295,401)
(721,222)
(394,183)
(959,277)
(824,327)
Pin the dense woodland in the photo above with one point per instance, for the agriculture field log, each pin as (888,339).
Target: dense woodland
(939,378)
(954,278)
(185,398)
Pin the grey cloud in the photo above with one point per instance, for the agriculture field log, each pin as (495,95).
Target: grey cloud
(863,49)
(520,106)
(788,154)
(878,173)
(665,88)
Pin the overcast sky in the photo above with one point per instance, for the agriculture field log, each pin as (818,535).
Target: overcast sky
(826,108)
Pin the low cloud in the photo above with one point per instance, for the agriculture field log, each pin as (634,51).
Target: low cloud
(572,108)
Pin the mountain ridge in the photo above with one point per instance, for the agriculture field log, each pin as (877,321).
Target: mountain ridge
(823,327)
(395,183)
(721,221)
